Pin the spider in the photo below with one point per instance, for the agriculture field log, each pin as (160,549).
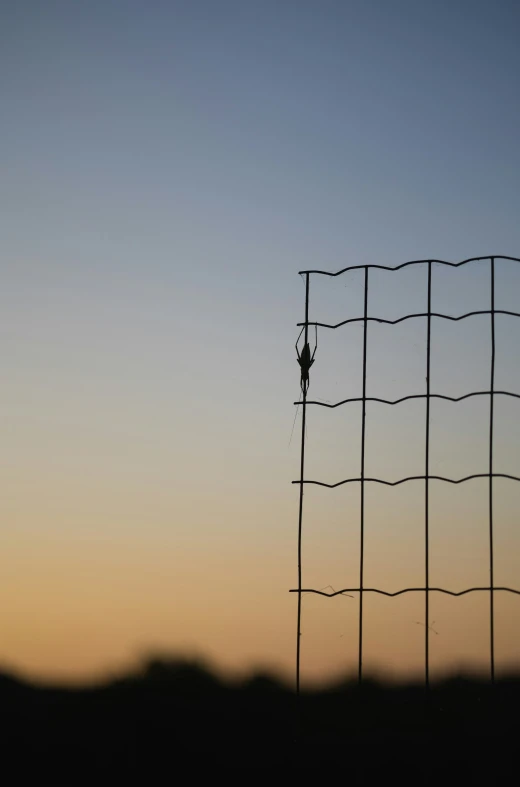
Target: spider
(305,359)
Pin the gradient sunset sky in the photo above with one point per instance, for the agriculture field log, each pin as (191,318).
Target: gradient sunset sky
(167,169)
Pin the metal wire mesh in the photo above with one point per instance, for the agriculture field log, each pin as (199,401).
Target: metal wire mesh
(425,477)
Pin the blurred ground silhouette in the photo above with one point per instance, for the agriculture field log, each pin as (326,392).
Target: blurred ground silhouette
(176,714)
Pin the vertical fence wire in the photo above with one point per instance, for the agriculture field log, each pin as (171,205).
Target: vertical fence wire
(491,430)
(300,514)
(427,488)
(362,480)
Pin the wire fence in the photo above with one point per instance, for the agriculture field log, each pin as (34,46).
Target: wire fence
(424,477)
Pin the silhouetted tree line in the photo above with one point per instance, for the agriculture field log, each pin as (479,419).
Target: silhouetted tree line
(177,715)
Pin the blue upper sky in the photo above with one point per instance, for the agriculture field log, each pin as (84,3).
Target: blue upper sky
(229,135)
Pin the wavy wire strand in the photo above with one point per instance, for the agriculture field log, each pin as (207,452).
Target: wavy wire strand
(412,396)
(411,262)
(441,316)
(406,590)
(408,478)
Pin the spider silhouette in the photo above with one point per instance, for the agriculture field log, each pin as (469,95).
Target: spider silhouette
(305,359)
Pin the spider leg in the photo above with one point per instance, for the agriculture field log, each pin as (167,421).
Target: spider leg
(315,343)
(297,340)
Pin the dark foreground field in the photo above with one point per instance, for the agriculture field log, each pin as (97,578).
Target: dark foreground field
(177,719)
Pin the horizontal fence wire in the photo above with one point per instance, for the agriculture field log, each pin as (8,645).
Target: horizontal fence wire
(412,396)
(407,265)
(426,477)
(409,478)
(404,590)
(411,317)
